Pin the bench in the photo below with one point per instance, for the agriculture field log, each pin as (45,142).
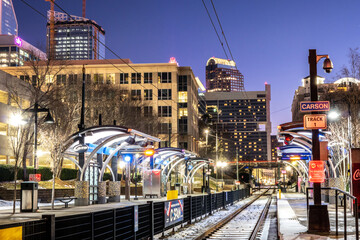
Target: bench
(66,200)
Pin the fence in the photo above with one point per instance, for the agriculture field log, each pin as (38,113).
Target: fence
(120,223)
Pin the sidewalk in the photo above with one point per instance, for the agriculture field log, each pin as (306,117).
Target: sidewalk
(292,215)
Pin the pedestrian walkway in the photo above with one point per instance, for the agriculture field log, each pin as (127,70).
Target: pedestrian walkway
(292,217)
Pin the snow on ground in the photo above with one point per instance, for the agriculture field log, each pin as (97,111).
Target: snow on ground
(200,227)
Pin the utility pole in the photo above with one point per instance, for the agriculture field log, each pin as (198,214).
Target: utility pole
(237,166)
(81,126)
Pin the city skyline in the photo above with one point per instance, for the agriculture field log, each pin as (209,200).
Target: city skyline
(154,32)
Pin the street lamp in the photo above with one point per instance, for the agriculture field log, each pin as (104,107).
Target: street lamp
(48,119)
(318,214)
(206,131)
(17,120)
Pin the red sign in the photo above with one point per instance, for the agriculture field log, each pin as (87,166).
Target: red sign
(316,171)
(35,177)
(355,174)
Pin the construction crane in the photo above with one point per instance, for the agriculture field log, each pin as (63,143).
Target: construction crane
(83,8)
(52,30)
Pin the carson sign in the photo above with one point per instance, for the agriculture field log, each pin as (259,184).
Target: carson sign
(315,106)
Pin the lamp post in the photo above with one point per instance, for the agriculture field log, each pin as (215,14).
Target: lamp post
(206,140)
(318,214)
(48,119)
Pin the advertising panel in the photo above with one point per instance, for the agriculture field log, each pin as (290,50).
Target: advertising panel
(174,212)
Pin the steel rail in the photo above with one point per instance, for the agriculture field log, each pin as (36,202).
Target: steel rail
(227,219)
(261,219)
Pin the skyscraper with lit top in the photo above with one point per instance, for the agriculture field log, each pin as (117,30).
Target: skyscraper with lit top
(223,76)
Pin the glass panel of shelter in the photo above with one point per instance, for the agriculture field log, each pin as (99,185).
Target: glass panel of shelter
(92,176)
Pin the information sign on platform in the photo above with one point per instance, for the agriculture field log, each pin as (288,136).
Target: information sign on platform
(315,121)
(35,177)
(315,106)
(283,171)
(174,212)
(316,171)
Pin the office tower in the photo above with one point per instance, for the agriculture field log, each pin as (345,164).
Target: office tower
(14,51)
(8,21)
(242,121)
(75,38)
(222,76)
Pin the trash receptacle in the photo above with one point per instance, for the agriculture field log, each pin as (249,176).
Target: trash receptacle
(29,197)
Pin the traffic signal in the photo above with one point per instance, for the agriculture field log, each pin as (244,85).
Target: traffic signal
(288,139)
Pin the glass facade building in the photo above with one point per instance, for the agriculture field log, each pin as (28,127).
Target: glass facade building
(77,38)
(222,76)
(8,24)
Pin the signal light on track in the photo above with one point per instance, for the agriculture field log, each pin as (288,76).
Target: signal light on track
(288,139)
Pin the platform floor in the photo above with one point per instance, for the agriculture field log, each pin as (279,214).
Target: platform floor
(293,219)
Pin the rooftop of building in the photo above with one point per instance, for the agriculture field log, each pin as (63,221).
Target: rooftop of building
(220,61)
(61,18)
(12,40)
(209,96)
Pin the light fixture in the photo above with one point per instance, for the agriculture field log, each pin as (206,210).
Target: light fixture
(17,120)
(288,168)
(49,119)
(333,115)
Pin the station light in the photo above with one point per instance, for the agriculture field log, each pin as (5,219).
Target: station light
(127,158)
(288,139)
(149,152)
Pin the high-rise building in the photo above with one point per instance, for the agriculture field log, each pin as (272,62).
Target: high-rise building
(223,76)
(14,51)
(75,38)
(8,21)
(242,120)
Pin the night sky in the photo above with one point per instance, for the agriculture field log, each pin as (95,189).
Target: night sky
(269,39)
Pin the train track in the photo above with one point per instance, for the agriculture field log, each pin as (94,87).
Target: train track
(244,223)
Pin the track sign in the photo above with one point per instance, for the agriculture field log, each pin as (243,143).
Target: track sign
(315,106)
(315,121)
(316,171)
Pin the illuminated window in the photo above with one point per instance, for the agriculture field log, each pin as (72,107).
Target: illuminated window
(4,96)
(3,129)
(182,97)
(183,112)
(49,79)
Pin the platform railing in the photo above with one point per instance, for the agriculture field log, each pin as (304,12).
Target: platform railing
(345,195)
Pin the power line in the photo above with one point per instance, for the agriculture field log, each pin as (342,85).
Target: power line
(222,31)
(217,34)
(106,48)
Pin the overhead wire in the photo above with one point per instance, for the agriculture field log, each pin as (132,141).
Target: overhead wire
(113,52)
(227,44)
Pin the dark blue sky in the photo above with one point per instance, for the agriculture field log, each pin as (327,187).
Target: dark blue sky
(269,39)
